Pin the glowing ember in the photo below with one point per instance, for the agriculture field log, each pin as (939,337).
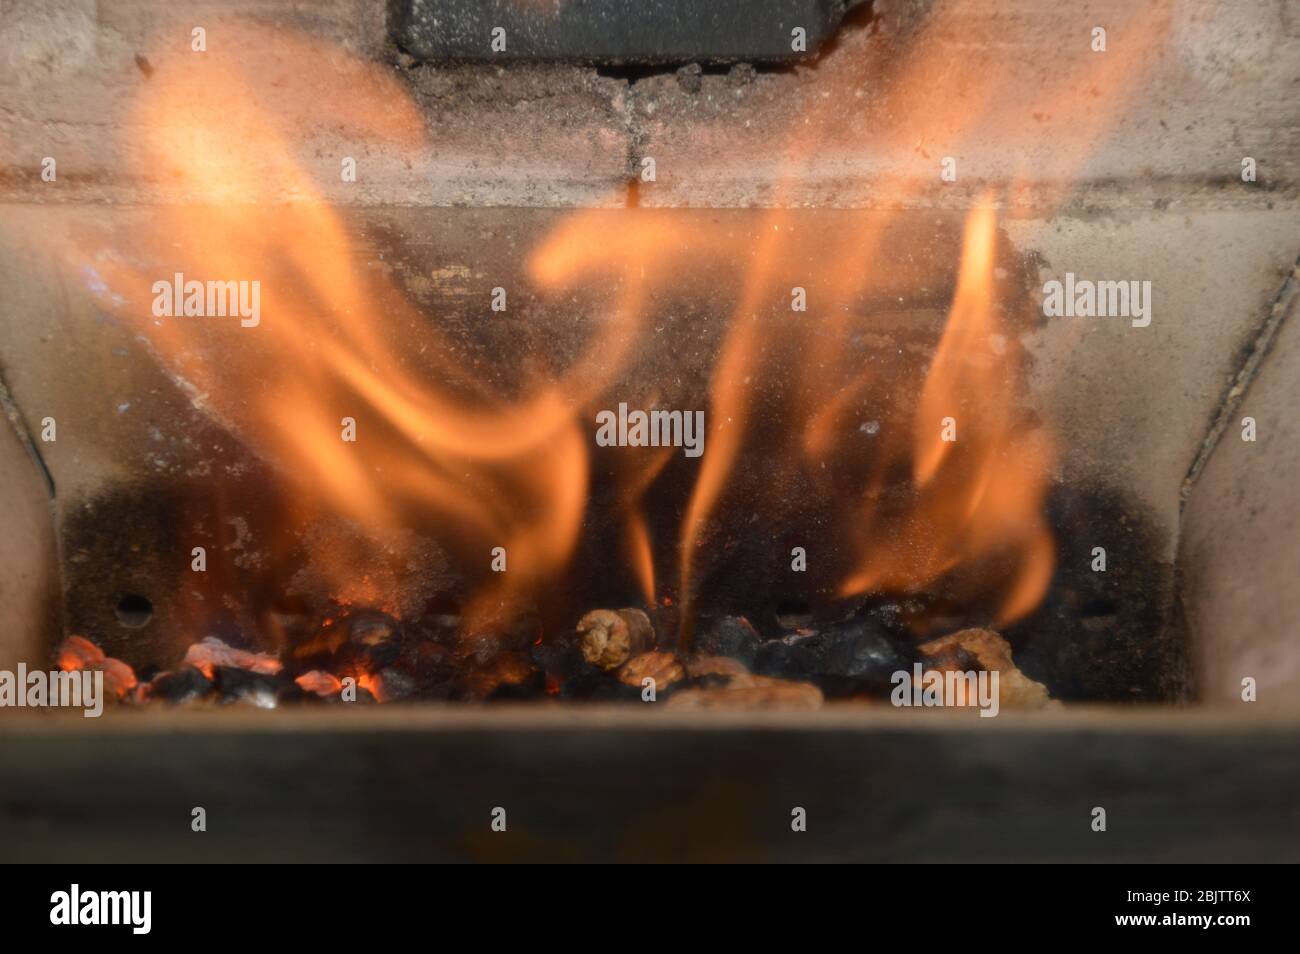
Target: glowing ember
(211,652)
(320,683)
(77,653)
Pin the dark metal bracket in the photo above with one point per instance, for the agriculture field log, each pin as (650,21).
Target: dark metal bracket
(657,32)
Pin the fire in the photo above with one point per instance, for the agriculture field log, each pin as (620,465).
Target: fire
(330,355)
(979,474)
(376,416)
(640,547)
(372,684)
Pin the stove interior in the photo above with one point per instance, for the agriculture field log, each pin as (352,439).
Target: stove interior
(351,363)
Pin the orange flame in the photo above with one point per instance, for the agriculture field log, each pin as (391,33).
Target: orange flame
(639,546)
(980,475)
(330,345)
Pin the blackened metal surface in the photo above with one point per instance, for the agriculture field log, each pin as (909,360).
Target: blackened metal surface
(616,31)
(1108,635)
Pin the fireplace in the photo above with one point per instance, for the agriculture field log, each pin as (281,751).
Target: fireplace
(674,423)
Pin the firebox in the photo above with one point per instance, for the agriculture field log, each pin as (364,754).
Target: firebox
(482,431)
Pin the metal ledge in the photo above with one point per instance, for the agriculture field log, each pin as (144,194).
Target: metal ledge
(630,784)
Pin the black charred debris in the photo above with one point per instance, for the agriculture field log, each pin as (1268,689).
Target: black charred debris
(365,655)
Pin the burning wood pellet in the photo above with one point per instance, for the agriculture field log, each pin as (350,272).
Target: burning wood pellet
(715,671)
(751,692)
(663,668)
(609,638)
(985,649)
(732,636)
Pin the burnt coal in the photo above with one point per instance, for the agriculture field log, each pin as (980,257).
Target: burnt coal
(260,689)
(713,671)
(663,668)
(666,620)
(186,684)
(731,636)
(398,685)
(566,673)
(360,640)
(481,645)
(857,656)
(509,675)
(430,667)
(370,643)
